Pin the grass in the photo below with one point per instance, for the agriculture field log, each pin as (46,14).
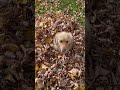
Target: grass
(74,8)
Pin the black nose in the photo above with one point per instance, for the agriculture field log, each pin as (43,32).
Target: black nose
(63,50)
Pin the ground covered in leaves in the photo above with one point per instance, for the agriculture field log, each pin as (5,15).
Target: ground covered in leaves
(74,8)
(103,46)
(16,45)
(52,72)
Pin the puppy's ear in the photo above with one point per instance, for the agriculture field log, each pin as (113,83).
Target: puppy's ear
(55,42)
(71,38)
(56,39)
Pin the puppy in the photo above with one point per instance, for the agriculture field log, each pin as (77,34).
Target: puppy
(63,42)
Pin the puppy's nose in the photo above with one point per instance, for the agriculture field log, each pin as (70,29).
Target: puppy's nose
(63,50)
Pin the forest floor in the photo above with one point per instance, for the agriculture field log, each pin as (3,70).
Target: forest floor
(52,71)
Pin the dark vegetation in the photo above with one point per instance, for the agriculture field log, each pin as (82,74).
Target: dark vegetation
(102,45)
(17,45)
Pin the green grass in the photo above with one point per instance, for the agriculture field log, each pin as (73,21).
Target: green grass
(73,7)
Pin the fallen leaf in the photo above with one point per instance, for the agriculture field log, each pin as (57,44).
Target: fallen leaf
(36,67)
(75,72)
(12,47)
(39,45)
(43,66)
(10,77)
(71,75)
(48,40)
(81,87)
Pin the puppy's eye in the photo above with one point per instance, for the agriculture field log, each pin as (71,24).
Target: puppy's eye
(66,41)
(61,41)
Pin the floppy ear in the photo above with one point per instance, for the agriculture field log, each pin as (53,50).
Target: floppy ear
(55,41)
(71,40)
(70,35)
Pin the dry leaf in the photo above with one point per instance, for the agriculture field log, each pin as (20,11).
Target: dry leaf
(36,67)
(12,47)
(43,66)
(48,40)
(71,75)
(75,72)
(10,77)
(39,45)
(81,87)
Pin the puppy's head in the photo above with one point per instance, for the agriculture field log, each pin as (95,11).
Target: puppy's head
(64,41)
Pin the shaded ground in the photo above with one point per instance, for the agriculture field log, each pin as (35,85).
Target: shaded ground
(16,45)
(103,55)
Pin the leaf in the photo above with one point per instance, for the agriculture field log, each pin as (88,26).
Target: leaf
(81,87)
(12,47)
(36,67)
(9,54)
(39,45)
(75,71)
(2,36)
(43,66)
(76,86)
(48,40)
(9,77)
(28,34)
(38,84)
(44,25)
(71,75)
(22,1)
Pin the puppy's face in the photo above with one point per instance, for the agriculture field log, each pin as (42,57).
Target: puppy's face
(64,45)
(64,41)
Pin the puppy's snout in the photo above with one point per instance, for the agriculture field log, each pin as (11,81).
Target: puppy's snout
(63,49)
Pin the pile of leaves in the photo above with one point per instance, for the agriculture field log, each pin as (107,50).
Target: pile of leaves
(103,56)
(52,72)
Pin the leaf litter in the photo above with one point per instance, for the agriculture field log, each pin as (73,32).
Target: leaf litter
(103,35)
(52,71)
